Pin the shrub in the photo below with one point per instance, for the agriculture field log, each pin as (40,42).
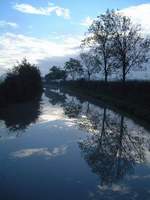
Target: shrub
(22,83)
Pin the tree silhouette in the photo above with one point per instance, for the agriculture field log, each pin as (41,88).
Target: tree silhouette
(55,73)
(118,43)
(91,64)
(73,68)
(99,39)
(130,47)
(22,83)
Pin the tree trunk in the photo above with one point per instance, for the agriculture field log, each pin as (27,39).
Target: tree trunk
(124,67)
(73,77)
(120,148)
(120,139)
(103,126)
(89,76)
(106,77)
(124,75)
(103,121)
(105,70)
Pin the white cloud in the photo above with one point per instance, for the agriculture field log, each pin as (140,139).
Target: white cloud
(4,23)
(14,47)
(140,14)
(51,8)
(87,21)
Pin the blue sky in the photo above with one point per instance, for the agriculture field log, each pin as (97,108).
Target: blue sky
(49,32)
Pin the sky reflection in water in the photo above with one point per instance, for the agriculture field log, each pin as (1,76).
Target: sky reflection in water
(61,147)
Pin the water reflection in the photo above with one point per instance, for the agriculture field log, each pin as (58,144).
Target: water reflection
(55,97)
(46,152)
(70,105)
(113,151)
(115,144)
(72,108)
(93,151)
(18,117)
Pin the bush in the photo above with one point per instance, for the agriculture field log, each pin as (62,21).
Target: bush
(22,83)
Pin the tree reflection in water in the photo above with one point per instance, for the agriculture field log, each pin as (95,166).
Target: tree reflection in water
(113,149)
(72,108)
(55,97)
(18,117)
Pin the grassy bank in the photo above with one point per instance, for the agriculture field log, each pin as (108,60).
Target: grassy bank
(132,98)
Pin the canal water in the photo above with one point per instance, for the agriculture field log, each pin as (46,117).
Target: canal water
(61,147)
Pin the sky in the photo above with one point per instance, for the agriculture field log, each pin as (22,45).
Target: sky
(49,32)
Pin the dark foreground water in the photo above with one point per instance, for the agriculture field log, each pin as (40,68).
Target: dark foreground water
(63,148)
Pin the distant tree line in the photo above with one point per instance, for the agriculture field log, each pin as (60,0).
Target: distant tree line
(113,45)
(22,83)
(55,73)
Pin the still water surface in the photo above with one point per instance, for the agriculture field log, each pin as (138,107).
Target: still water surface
(64,148)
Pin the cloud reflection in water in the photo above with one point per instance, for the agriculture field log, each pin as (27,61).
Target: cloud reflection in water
(46,152)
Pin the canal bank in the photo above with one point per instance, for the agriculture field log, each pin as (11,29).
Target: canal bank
(133,98)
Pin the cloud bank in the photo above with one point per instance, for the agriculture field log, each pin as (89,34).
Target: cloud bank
(14,47)
(139,14)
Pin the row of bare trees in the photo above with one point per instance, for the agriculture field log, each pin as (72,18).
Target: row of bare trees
(113,44)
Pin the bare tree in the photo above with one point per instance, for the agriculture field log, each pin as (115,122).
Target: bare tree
(130,47)
(99,38)
(91,64)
